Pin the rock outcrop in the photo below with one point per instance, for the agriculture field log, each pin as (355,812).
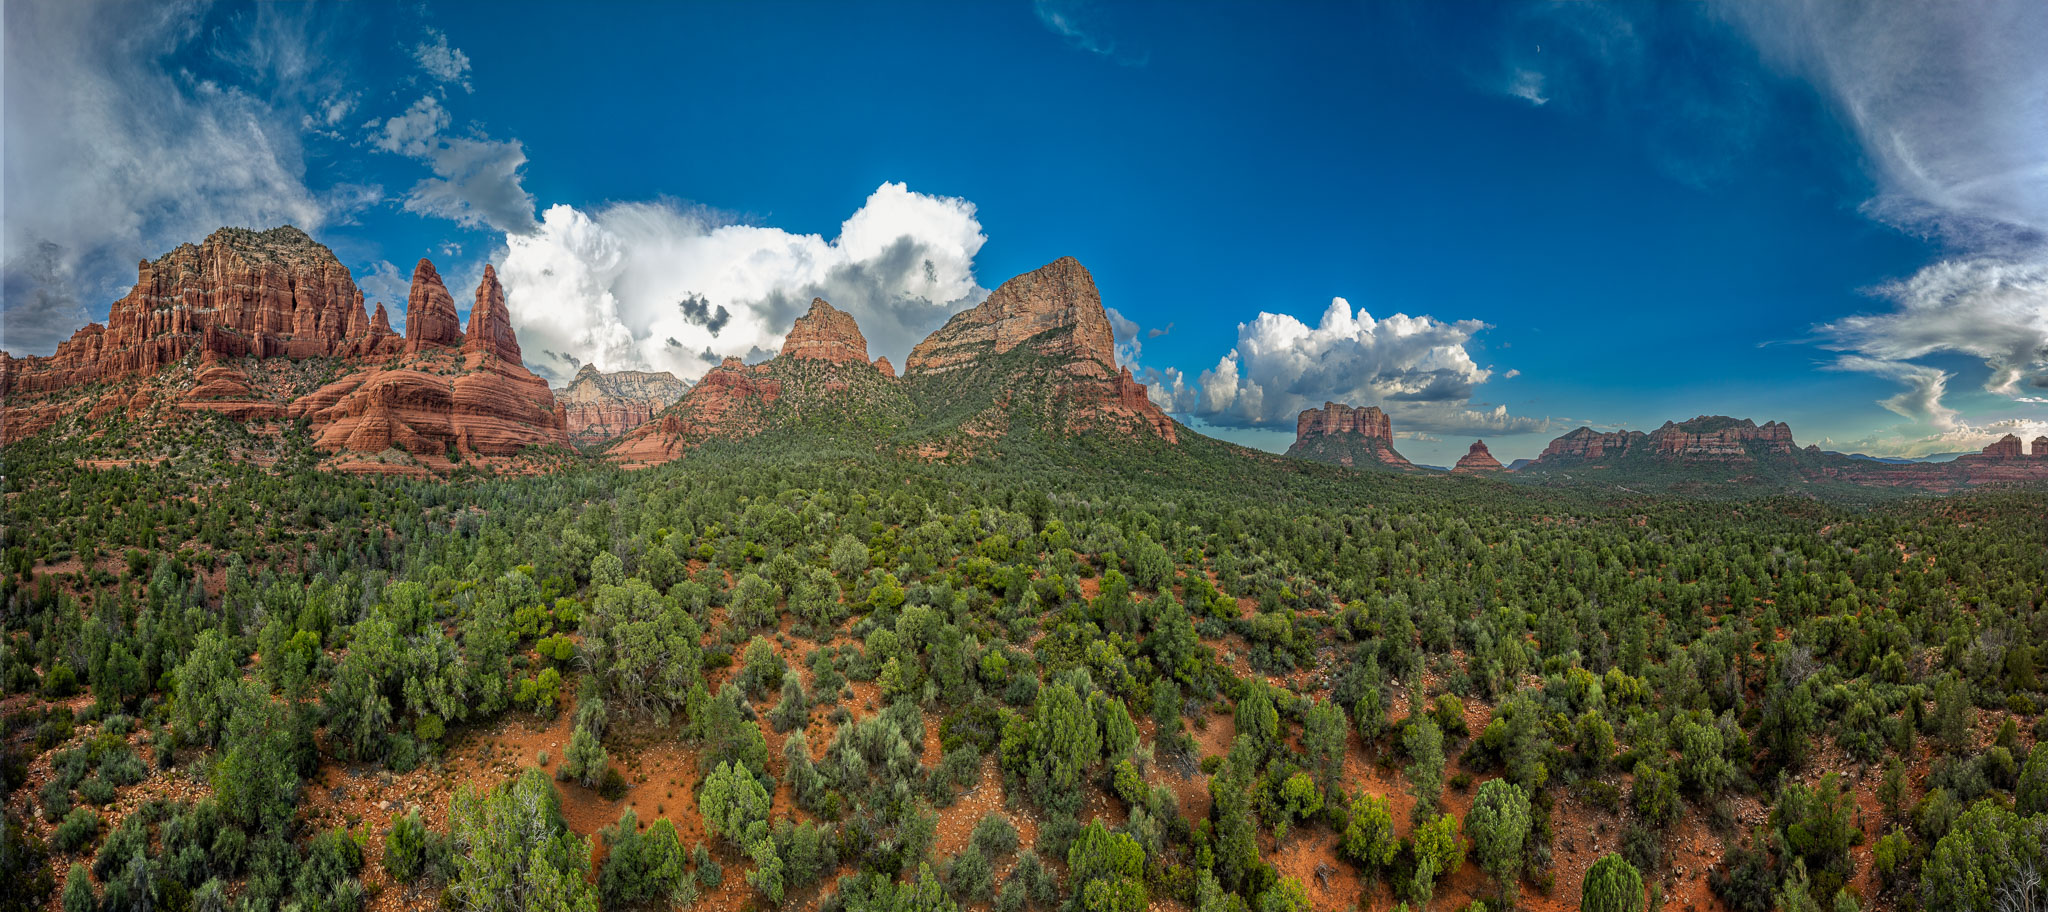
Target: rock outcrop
(1055,314)
(1707,438)
(1344,435)
(826,333)
(598,406)
(1721,438)
(2040,446)
(490,323)
(2004,448)
(730,401)
(447,395)
(1060,295)
(218,327)
(1038,353)
(1476,460)
(1586,444)
(430,319)
(239,293)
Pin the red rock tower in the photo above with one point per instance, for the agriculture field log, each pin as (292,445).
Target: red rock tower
(430,318)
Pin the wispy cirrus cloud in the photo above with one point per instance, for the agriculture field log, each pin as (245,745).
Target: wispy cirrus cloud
(1946,102)
(1081,23)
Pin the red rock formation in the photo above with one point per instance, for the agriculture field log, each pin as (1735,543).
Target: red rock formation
(481,402)
(1476,460)
(599,406)
(726,402)
(274,293)
(1715,438)
(826,333)
(2040,449)
(1345,435)
(1586,443)
(490,324)
(430,319)
(2004,448)
(1338,418)
(1056,311)
(245,295)
(1059,295)
(888,370)
(1708,438)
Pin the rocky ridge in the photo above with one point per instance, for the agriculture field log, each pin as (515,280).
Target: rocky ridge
(1039,347)
(1707,438)
(1055,315)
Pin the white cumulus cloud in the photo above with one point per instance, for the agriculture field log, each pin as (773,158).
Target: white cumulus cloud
(664,286)
(1416,368)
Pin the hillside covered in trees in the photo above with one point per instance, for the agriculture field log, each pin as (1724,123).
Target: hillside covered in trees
(1077,672)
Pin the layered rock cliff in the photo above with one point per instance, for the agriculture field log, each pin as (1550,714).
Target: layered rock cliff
(448,397)
(1054,318)
(598,406)
(205,324)
(1343,435)
(1707,438)
(1476,460)
(825,333)
(490,323)
(239,293)
(430,319)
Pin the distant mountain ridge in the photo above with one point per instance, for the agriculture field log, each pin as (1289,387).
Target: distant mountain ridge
(1716,450)
(598,405)
(1036,356)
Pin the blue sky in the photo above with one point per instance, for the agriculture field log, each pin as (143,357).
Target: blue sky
(1827,213)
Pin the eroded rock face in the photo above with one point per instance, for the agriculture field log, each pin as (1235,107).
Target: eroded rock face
(1070,382)
(277,294)
(1057,312)
(477,399)
(1338,418)
(1476,460)
(2006,447)
(1707,438)
(1713,437)
(726,402)
(490,324)
(1588,444)
(1058,295)
(826,333)
(274,293)
(430,319)
(1344,435)
(598,406)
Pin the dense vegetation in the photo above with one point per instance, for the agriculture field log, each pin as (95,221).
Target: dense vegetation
(1073,616)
